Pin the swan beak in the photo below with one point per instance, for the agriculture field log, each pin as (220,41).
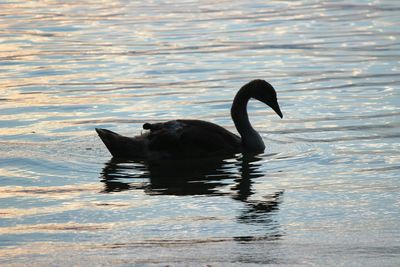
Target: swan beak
(275,106)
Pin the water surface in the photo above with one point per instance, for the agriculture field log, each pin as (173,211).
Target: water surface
(325,192)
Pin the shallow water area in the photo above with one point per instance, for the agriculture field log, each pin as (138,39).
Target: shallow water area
(325,192)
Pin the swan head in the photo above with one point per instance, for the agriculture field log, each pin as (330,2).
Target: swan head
(264,92)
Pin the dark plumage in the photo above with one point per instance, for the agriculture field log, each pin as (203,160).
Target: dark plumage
(182,139)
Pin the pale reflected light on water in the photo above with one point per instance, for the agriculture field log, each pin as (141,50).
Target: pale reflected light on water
(326,191)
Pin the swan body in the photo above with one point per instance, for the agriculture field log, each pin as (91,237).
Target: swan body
(183,139)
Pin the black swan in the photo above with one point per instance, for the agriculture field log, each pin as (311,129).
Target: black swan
(186,139)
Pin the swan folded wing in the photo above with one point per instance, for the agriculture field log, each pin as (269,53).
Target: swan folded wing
(186,138)
(163,136)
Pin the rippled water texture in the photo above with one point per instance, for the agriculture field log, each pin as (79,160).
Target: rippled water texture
(325,193)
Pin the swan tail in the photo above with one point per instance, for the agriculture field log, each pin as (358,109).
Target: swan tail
(121,146)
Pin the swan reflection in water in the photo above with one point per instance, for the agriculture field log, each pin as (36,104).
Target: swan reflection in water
(214,177)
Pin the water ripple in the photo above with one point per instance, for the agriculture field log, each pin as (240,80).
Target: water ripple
(328,179)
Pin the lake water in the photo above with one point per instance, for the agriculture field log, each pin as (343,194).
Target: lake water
(326,192)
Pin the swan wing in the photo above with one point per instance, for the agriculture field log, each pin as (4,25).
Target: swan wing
(187,138)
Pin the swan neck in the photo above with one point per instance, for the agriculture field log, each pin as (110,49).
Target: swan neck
(239,112)
(251,140)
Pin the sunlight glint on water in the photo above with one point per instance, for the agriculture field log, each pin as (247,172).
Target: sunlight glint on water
(326,191)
